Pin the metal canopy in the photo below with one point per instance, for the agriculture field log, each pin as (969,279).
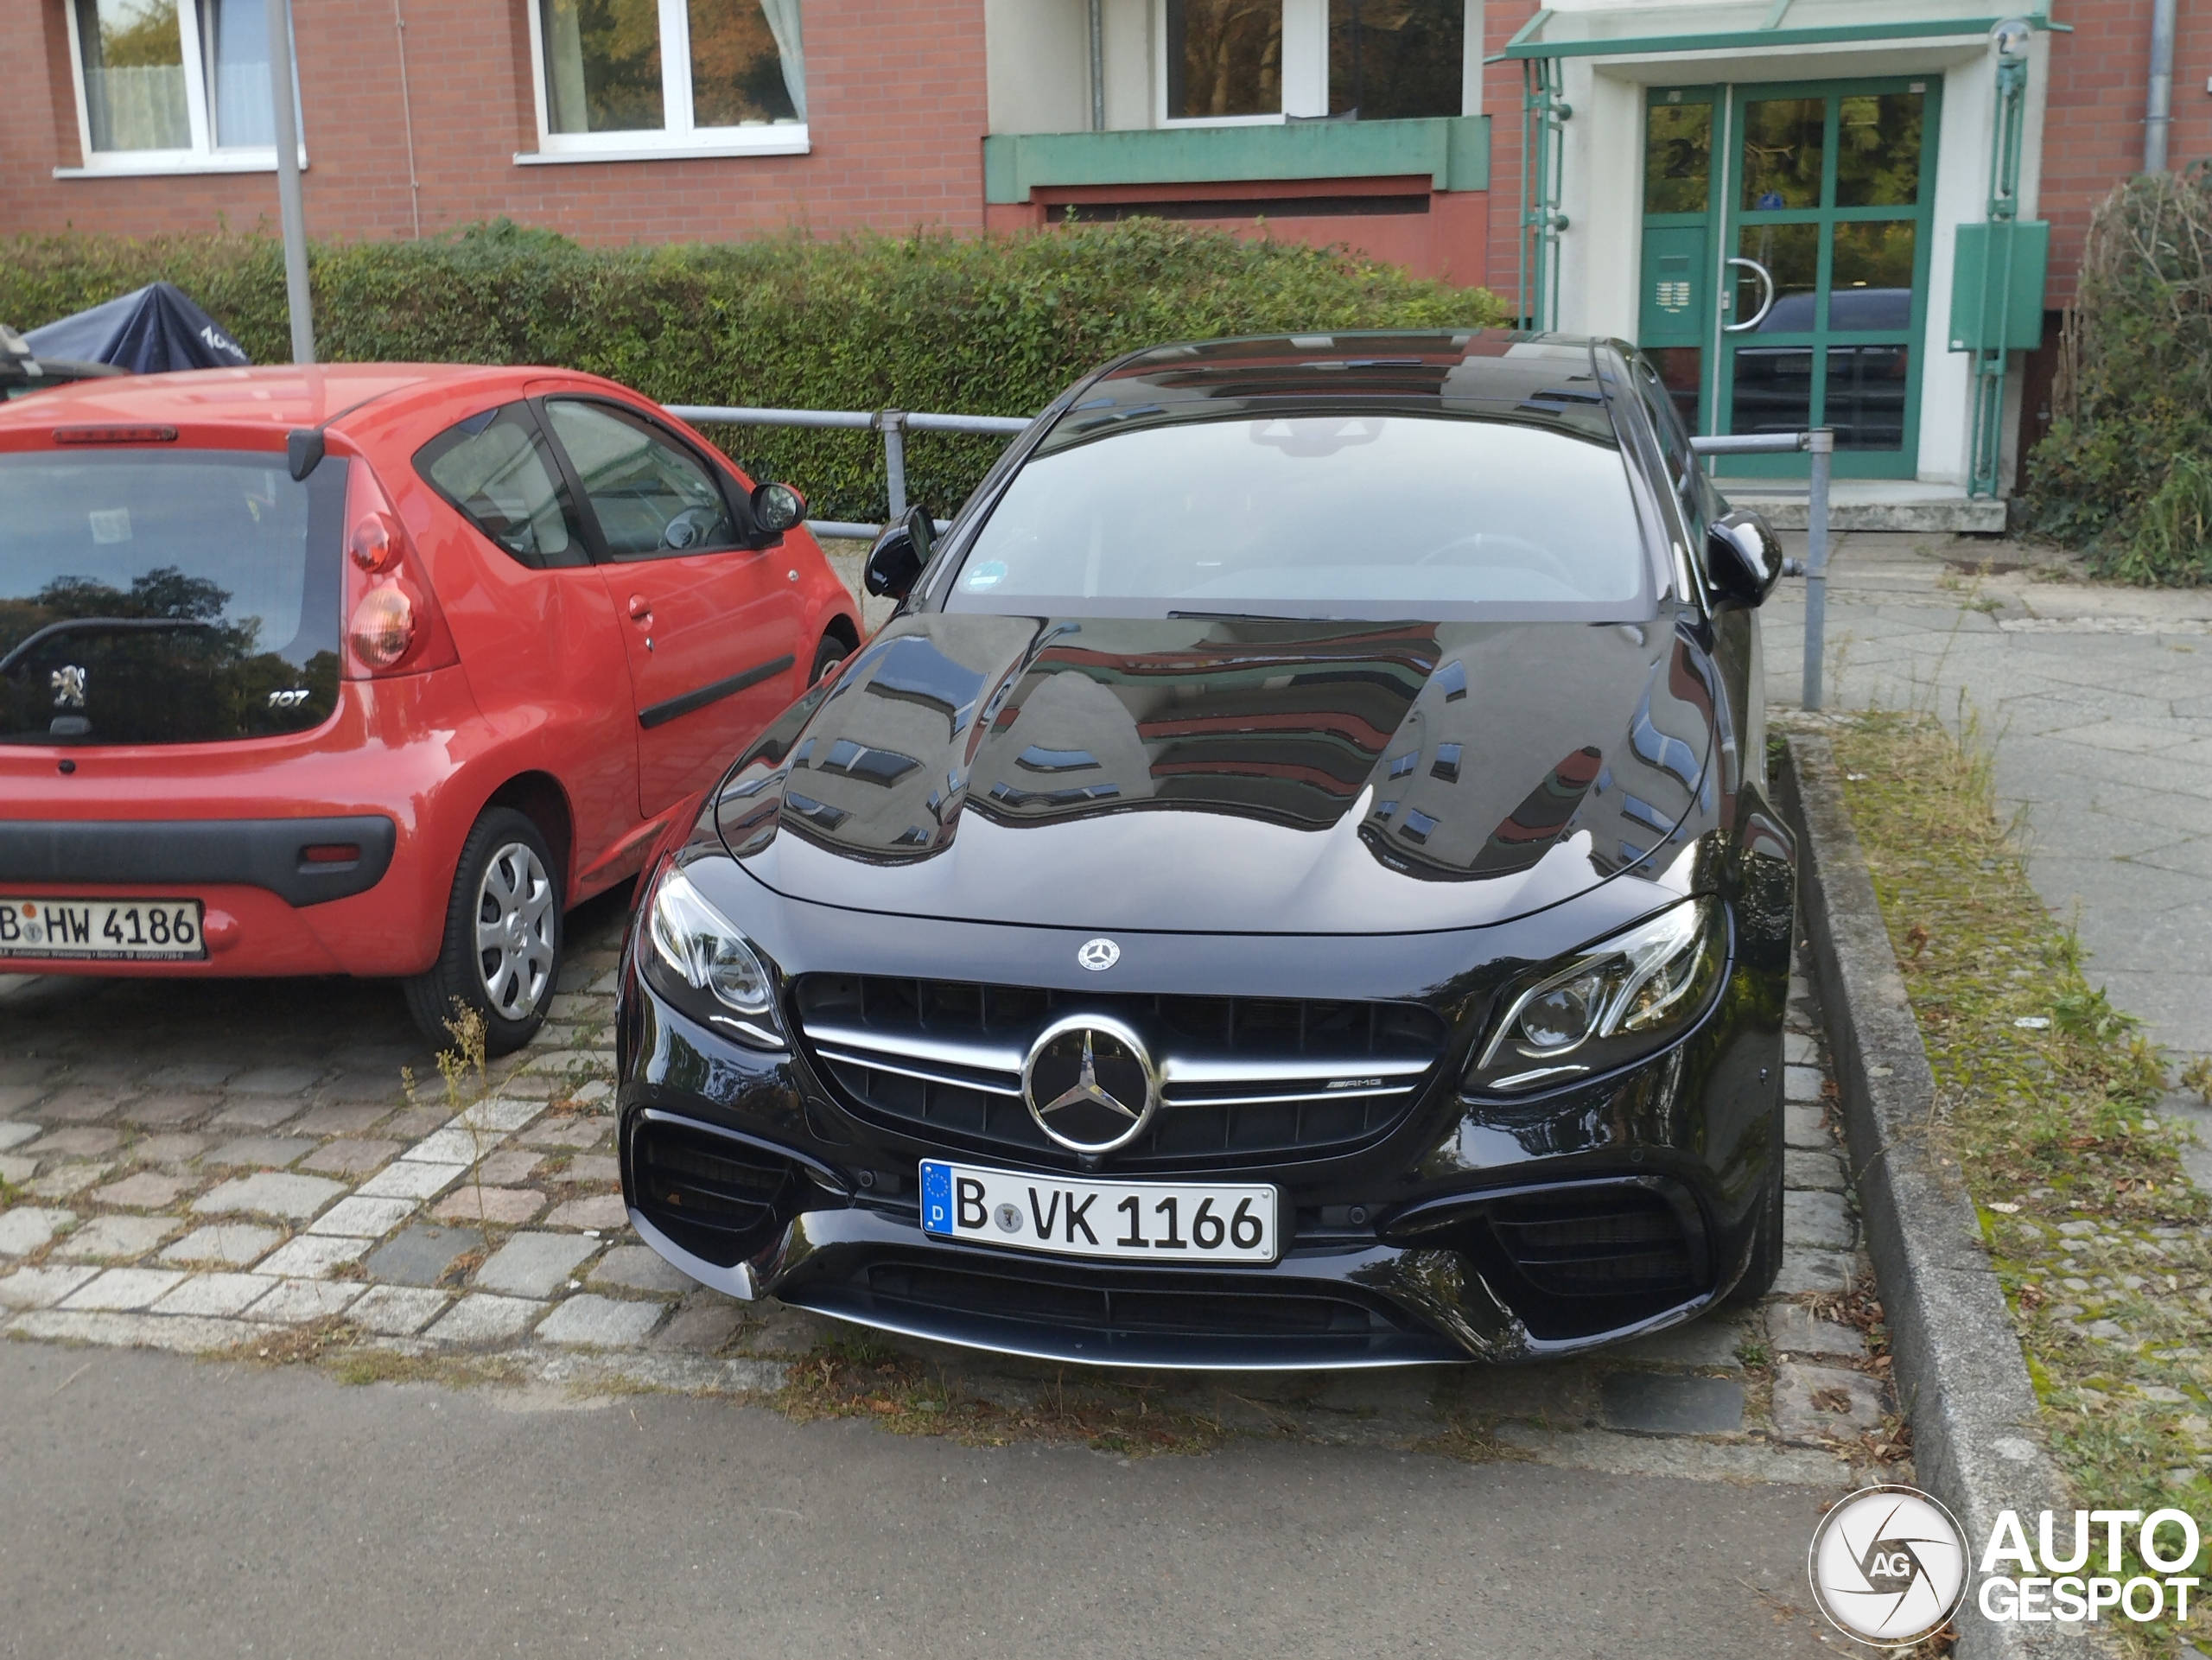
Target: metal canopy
(1643,31)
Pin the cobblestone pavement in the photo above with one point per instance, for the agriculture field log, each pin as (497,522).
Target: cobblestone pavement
(2098,701)
(239,1167)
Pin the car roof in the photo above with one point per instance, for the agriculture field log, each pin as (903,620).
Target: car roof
(281,395)
(1507,373)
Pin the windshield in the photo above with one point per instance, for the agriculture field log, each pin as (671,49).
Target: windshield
(1361,516)
(172,597)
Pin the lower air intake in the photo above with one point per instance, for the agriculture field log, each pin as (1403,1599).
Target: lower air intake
(1606,1242)
(719,1198)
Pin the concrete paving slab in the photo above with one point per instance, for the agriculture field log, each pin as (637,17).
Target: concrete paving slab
(293,1197)
(1665,1403)
(595,1322)
(27,1228)
(215,1295)
(480,1319)
(397,1310)
(124,1288)
(116,1238)
(231,1245)
(421,1255)
(534,1264)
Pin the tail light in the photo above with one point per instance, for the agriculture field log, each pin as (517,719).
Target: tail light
(394,624)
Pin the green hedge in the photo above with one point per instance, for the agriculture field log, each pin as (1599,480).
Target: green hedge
(982,327)
(2126,471)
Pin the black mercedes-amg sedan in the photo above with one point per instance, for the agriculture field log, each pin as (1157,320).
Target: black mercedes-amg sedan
(1292,885)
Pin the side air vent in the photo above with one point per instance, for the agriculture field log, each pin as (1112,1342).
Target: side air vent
(1603,1242)
(719,1198)
(1579,1260)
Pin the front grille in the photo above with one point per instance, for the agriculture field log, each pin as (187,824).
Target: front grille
(1124,1303)
(1244,1078)
(717,1197)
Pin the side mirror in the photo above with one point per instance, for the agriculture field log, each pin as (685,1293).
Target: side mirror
(899,556)
(1743,559)
(778,508)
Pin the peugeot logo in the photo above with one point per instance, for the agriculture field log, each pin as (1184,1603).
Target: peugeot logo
(1090,1083)
(1098,955)
(68,683)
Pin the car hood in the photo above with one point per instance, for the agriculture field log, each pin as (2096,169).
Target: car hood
(1231,775)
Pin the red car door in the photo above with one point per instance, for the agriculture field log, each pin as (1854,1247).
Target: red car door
(711,618)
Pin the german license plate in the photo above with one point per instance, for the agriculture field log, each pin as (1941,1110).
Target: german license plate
(133,930)
(1126,1221)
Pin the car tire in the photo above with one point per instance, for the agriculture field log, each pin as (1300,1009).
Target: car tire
(827,656)
(501,954)
(1766,1264)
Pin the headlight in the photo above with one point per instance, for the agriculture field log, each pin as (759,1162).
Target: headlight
(697,958)
(1618,1000)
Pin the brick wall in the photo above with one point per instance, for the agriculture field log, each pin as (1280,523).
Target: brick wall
(2093,131)
(895,99)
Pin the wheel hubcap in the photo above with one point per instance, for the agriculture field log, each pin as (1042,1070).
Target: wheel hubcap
(515,924)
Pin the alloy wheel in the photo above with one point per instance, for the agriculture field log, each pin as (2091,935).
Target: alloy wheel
(515,924)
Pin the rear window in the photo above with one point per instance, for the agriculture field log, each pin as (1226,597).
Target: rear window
(179,596)
(1376,515)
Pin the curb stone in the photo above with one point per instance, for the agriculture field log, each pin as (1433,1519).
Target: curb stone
(1961,1379)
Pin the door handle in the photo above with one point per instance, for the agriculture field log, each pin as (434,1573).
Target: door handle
(1766,280)
(641,609)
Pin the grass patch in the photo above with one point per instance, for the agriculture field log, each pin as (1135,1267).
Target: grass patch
(2045,1094)
(860,1379)
(363,1365)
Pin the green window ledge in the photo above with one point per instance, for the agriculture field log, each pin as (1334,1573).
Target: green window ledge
(1452,150)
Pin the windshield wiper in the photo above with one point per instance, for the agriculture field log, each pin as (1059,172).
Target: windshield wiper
(94,626)
(1248,616)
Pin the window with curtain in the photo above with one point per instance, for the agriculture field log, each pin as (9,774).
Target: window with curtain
(171,81)
(629,73)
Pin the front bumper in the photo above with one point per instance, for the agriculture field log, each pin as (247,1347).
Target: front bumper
(1429,1272)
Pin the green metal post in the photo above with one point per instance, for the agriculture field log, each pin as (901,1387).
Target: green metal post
(1990,362)
(1542,171)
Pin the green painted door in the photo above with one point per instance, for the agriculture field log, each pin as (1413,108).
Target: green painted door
(1813,230)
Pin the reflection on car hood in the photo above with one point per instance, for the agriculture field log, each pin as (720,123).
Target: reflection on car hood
(1237,775)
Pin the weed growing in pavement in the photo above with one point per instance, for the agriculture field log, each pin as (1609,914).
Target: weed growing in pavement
(2044,1097)
(2197,1075)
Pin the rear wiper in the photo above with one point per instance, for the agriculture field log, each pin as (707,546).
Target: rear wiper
(93,625)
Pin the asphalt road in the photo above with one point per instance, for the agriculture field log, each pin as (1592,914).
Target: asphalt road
(159,1506)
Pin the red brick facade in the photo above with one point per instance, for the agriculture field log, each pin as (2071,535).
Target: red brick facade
(895,93)
(2092,129)
(896,97)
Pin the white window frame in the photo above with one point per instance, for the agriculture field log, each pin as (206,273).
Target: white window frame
(204,155)
(1304,67)
(677,140)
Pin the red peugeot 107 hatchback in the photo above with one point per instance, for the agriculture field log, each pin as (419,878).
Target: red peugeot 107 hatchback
(370,669)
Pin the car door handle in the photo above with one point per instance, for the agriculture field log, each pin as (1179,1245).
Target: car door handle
(640,609)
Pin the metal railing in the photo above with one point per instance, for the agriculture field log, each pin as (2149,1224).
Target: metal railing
(1822,442)
(895,424)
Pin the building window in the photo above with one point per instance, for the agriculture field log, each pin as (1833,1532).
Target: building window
(1224,59)
(162,86)
(1230,61)
(1395,59)
(650,78)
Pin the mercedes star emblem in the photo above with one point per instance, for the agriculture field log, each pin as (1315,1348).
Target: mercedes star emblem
(1098,955)
(1090,1083)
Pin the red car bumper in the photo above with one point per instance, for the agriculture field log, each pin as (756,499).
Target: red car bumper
(259,833)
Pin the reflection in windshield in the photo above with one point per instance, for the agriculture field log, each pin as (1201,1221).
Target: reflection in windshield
(1355,515)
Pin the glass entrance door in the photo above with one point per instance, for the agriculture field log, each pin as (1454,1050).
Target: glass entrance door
(1786,251)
